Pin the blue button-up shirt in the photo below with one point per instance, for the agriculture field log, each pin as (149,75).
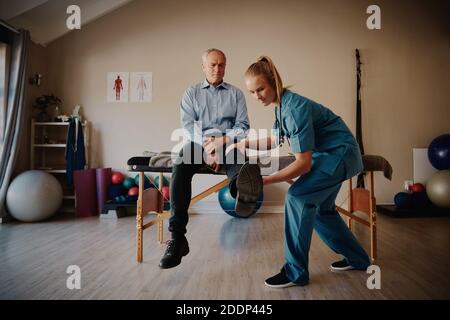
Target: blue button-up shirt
(214,111)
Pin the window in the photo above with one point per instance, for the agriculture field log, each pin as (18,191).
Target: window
(4,63)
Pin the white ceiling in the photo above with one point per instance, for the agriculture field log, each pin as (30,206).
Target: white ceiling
(46,19)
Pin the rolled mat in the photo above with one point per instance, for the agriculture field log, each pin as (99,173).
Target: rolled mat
(103,176)
(85,192)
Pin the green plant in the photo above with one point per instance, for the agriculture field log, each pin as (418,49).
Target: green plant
(45,101)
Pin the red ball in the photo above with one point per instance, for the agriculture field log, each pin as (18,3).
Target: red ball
(117,177)
(166,193)
(133,191)
(417,187)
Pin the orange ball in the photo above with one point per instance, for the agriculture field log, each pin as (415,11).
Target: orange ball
(117,178)
(417,187)
(133,191)
(166,193)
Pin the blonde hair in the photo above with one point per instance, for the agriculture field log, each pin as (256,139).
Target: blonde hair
(265,66)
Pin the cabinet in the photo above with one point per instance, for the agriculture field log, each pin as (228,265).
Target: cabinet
(48,149)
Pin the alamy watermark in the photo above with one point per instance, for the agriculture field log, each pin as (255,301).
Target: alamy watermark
(74,280)
(374,20)
(374,281)
(74,20)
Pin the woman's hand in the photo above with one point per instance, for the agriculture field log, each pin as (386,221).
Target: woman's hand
(266,180)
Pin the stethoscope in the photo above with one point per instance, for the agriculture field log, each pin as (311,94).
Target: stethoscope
(279,124)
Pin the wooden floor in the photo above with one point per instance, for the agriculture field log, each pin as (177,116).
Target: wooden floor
(229,259)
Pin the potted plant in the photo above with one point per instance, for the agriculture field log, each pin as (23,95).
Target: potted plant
(42,103)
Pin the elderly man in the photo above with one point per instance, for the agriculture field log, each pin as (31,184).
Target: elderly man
(213,115)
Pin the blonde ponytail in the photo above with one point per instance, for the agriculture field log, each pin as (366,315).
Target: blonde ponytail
(265,66)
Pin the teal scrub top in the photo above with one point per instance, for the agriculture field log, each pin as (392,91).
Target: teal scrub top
(310,126)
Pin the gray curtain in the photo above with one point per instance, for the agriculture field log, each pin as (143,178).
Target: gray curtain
(15,110)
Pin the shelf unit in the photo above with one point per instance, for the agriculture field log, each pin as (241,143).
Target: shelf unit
(48,146)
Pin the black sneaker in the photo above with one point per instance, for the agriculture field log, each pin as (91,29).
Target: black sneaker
(176,249)
(279,280)
(342,265)
(249,185)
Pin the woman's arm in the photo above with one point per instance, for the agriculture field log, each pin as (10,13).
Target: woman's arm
(260,144)
(301,165)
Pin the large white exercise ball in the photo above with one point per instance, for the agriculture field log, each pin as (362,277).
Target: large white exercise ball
(34,196)
(438,188)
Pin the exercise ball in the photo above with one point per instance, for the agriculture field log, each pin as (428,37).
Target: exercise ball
(417,187)
(128,183)
(438,188)
(166,193)
(125,199)
(116,190)
(147,183)
(34,196)
(419,199)
(165,181)
(117,177)
(134,191)
(439,152)
(402,200)
(228,203)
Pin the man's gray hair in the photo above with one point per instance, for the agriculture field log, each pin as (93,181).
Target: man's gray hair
(207,52)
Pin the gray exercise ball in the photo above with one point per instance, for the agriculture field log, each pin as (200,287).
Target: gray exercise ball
(438,188)
(34,196)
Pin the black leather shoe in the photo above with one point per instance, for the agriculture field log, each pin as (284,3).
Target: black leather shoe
(176,249)
(249,185)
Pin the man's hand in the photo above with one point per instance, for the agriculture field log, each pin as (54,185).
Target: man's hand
(214,145)
(213,162)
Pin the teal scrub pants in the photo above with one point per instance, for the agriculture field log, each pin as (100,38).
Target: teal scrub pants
(310,204)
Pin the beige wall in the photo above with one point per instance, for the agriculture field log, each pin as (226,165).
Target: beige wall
(405,80)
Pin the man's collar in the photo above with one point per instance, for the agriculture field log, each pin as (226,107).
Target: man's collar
(206,84)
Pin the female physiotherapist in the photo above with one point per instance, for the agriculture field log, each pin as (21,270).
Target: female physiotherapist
(326,154)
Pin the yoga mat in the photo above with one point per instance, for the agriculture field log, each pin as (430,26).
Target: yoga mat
(103,176)
(85,193)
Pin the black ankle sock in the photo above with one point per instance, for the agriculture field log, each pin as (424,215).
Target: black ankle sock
(233,188)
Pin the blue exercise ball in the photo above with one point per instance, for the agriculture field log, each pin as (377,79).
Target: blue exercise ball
(34,196)
(403,200)
(419,199)
(116,190)
(228,203)
(439,152)
(147,183)
(165,181)
(128,183)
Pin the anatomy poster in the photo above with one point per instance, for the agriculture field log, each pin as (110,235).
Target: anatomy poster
(141,86)
(117,86)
